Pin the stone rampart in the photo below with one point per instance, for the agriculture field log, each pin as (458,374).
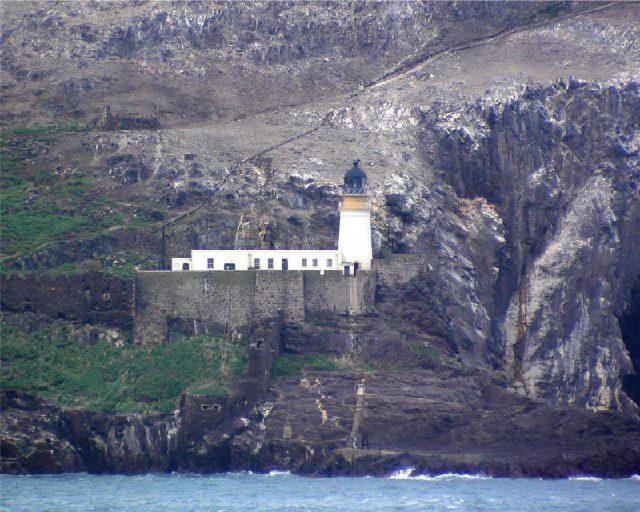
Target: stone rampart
(331,292)
(88,297)
(219,302)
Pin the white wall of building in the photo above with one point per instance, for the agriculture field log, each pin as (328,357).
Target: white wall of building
(246,259)
(201,259)
(354,239)
(177,263)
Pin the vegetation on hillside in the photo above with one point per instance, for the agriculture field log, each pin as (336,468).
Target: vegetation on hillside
(40,206)
(128,378)
(289,365)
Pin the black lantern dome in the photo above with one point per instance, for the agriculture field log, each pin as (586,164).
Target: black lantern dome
(355,180)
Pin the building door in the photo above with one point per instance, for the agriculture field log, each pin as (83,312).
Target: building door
(355,268)
(285,264)
(347,270)
(185,266)
(229,266)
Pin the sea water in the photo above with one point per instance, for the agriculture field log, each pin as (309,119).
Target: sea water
(284,492)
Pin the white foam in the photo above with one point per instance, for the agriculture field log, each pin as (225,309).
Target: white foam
(585,478)
(401,474)
(239,473)
(634,477)
(458,476)
(407,474)
(276,472)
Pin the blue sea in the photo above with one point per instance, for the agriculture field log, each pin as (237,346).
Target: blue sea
(284,492)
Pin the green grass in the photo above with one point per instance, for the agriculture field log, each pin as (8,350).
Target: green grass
(427,351)
(44,207)
(117,379)
(289,365)
(124,265)
(146,218)
(66,269)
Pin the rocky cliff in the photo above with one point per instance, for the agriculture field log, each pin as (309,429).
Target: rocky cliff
(458,422)
(501,142)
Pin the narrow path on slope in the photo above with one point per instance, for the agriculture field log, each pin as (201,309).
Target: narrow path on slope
(407,66)
(410,65)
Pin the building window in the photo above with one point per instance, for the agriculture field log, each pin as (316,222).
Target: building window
(270,263)
(185,266)
(256,262)
(329,262)
(210,263)
(304,262)
(314,262)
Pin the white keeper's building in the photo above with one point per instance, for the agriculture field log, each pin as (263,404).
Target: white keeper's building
(354,242)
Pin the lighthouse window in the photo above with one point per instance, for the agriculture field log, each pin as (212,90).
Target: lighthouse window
(269,262)
(304,262)
(329,262)
(256,263)
(210,263)
(314,262)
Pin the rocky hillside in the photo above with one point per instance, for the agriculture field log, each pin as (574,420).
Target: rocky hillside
(501,142)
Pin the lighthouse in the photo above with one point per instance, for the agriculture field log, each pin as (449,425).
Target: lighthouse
(354,243)
(354,239)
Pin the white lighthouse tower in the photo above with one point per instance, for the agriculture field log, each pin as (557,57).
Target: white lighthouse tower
(354,239)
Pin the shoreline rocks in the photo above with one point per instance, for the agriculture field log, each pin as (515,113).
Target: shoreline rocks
(501,436)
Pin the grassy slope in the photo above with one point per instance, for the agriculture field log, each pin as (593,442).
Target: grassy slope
(117,379)
(43,206)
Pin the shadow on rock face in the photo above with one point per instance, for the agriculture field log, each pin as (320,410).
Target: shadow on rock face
(630,327)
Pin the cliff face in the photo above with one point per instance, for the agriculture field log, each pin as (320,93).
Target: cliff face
(501,142)
(219,60)
(417,419)
(560,166)
(40,438)
(527,212)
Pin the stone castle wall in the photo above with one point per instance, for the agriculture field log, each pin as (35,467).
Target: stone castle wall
(237,300)
(333,293)
(90,297)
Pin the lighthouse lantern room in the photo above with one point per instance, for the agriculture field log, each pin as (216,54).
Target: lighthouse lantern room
(354,239)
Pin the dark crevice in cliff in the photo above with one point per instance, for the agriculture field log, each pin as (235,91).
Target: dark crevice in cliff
(630,328)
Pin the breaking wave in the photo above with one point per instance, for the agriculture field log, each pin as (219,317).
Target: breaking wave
(276,472)
(408,474)
(585,478)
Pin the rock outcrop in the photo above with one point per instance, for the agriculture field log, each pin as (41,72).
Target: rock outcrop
(40,438)
(461,423)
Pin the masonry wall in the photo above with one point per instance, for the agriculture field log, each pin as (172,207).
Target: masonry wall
(218,302)
(279,292)
(334,293)
(89,297)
